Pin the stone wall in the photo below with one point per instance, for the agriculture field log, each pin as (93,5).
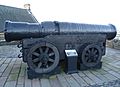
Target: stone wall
(115,43)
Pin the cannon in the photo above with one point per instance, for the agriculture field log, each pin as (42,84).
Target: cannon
(21,30)
(44,44)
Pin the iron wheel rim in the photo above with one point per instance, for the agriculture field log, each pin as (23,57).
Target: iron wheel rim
(45,60)
(91,55)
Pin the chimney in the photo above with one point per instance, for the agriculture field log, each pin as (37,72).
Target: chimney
(27,6)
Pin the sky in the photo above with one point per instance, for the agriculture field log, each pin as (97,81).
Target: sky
(80,11)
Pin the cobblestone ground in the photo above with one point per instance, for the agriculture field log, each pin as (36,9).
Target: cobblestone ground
(9,51)
(13,72)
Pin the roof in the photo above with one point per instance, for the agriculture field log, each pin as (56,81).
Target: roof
(15,14)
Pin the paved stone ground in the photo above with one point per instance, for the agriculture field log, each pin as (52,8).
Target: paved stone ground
(9,51)
(13,73)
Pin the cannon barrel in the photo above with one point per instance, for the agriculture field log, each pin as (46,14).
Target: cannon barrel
(21,30)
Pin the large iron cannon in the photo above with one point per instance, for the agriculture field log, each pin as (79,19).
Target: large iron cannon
(21,30)
(44,44)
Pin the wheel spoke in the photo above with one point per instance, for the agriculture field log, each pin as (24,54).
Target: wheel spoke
(39,65)
(94,59)
(95,51)
(96,56)
(35,60)
(92,50)
(51,54)
(41,51)
(87,54)
(86,58)
(88,50)
(47,49)
(51,60)
(88,61)
(36,54)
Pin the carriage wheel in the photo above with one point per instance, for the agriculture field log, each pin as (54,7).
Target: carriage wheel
(43,58)
(91,55)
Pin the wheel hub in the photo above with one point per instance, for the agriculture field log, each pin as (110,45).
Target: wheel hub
(44,57)
(92,57)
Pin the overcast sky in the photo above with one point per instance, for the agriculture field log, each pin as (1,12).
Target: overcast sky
(81,11)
